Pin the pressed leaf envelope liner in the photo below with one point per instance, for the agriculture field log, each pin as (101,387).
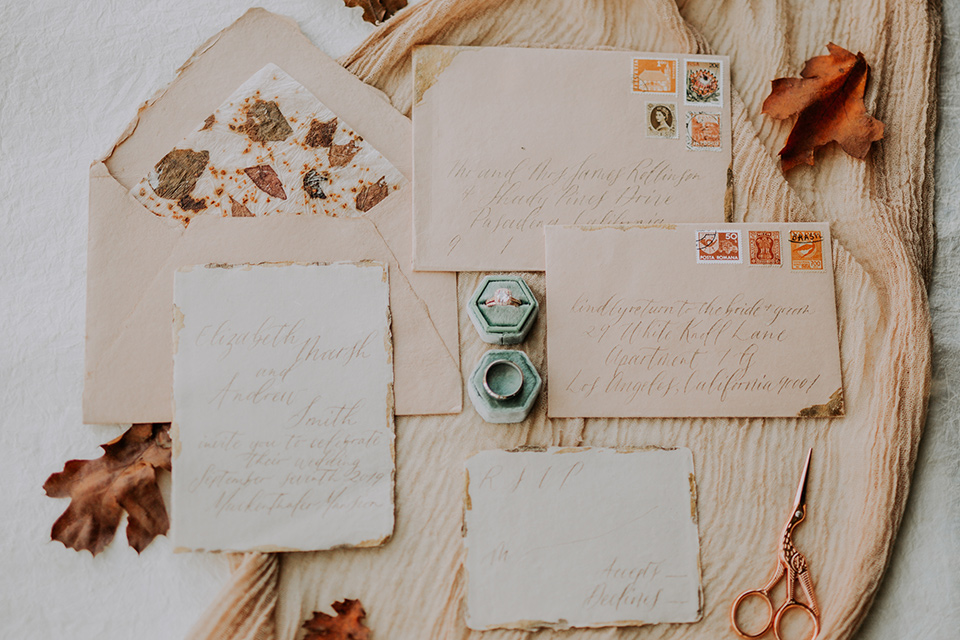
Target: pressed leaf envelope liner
(692,320)
(507,141)
(133,253)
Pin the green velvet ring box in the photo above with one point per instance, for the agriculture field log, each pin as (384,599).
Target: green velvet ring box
(503,386)
(503,309)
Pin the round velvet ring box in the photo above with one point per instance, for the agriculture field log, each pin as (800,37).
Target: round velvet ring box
(503,309)
(503,386)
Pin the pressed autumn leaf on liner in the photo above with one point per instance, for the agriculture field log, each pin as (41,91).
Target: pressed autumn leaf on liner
(124,478)
(828,100)
(346,625)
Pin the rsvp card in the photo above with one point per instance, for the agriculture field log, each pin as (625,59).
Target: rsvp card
(580,537)
(735,320)
(510,140)
(283,424)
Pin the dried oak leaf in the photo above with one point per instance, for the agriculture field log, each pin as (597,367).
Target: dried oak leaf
(124,478)
(376,11)
(829,100)
(266,180)
(346,625)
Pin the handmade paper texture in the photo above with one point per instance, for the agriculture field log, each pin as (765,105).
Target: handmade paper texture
(270,148)
(735,320)
(133,254)
(507,141)
(572,537)
(284,407)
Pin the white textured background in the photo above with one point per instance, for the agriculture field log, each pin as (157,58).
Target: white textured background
(72,75)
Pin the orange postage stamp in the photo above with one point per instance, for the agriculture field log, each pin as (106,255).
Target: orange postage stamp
(704,83)
(654,75)
(765,247)
(806,250)
(703,131)
(718,246)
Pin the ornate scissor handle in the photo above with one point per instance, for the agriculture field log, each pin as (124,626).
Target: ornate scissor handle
(774,617)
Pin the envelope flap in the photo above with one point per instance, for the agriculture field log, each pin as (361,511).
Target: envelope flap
(228,59)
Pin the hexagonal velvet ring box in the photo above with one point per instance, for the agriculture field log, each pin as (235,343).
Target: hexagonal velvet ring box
(503,309)
(503,386)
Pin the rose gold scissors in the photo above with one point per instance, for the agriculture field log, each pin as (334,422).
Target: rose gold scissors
(790,562)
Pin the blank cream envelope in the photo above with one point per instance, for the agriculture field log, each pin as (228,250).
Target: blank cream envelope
(283,427)
(581,537)
(510,140)
(734,320)
(262,150)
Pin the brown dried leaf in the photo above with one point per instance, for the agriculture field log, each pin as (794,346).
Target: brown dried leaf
(828,99)
(124,478)
(377,11)
(177,173)
(266,180)
(321,133)
(347,625)
(265,122)
(239,210)
(341,154)
(371,195)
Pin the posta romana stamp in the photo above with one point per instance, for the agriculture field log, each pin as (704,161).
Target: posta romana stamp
(703,82)
(806,250)
(661,120)
(718,246)
(654,75)
(764,247)
(703,130)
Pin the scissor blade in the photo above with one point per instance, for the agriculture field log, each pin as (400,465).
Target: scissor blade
(801,498)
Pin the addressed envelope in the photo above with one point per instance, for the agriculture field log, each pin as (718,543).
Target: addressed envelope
(133,254)
(508,141)
(735,320)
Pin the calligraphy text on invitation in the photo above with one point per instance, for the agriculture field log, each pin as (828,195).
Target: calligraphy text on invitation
(581,537)
(283,407)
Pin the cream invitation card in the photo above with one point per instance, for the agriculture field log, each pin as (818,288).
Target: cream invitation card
(283,417)
(735,320)
(580,537)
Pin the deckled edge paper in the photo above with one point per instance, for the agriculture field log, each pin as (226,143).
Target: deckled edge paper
(294,456)
(515,511)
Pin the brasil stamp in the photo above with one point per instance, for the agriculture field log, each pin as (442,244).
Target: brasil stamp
(764,247)
(703,131)
(718,246)
(703,83)
(654,75)
(661,120)
(806,250)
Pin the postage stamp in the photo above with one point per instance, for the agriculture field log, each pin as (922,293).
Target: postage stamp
(703,131)
(765,247)
(718,246)
(654,75)
(806,250)
(703,83)
(661,120)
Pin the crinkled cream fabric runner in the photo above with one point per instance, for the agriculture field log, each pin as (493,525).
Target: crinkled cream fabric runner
(882,221)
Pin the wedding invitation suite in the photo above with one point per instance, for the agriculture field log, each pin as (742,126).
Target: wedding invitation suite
(581,537)
(735,320)
(283,429)
(510,140)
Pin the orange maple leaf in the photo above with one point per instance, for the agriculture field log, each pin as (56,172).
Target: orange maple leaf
(346,625)
(829,100)
(124,478)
